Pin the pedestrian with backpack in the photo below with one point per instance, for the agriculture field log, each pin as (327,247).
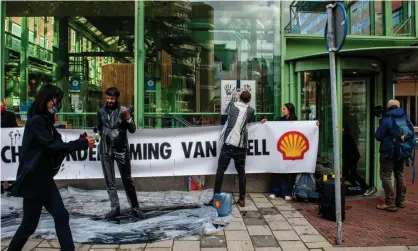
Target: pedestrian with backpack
(397,143)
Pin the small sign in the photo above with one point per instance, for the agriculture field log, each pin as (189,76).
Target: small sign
(340,26)
(150,85)
(75,84)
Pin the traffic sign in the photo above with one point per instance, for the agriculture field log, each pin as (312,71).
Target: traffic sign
(340,27)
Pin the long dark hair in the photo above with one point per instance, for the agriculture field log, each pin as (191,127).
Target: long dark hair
(45,94)
(292,111)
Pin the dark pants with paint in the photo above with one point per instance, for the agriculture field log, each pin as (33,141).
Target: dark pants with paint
(350,173)
(229,152)
(282,184)
(387,167)
(32,208)
(124,164)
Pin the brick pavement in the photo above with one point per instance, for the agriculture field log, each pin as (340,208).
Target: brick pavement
(367,226)
(263,225)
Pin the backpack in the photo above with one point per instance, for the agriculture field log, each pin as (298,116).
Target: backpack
(404,142)
(305,187)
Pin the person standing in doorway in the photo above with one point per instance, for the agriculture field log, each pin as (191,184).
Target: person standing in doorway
(393,122)
(114,121)
(282,183)
(40,159)
(234,137)
(8,120)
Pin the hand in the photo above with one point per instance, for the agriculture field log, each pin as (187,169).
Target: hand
(126,115)
(92,142)
(317,123)
(263,121)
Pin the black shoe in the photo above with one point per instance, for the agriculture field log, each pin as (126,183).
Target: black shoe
(112,214)
(241,202)
(138,213)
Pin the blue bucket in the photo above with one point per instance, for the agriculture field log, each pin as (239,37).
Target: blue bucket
(223,203)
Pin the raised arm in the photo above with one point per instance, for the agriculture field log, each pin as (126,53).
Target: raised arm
(131,122)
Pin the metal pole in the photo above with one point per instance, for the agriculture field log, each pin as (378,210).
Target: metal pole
(3,49)
(139,63)
(334,104)
(23,92)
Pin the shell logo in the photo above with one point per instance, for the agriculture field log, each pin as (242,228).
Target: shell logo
(293,145)
(217,204)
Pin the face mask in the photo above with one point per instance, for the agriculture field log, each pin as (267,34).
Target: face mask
(56,108)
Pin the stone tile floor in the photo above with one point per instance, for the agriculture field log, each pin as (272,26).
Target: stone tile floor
(262,225)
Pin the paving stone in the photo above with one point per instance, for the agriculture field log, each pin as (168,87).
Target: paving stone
(268,249)
(82,247)
(277,217)
(49,244)
(31,244)
(313,238)
(237,219)
(132,247)
(286,235)
(237,236)
(5,243)
(285,207)
(291,214)
(305,230)
(277,222)
(236,226)
(257,195)
(218,233)
(213,242)
(157,249)
(213,249)
(254,221)
(413,248)
(186,245)
(322,244)
(279,202)
(316,249)
(46,249)
(298,222)
(259,230)
(251,214)
(249,207)
(264,241)
(240,246)
(105,246)
(268,211)
(263,205)
(189,238)
(292,246)
(161,244)
(386,248)
(261,200)
(103,249)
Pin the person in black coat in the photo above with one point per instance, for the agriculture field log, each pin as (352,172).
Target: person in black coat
(8,120)
(40,158)
(282,183)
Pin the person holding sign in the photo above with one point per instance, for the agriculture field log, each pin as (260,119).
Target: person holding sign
(41,156)
(235,136)
(114,121)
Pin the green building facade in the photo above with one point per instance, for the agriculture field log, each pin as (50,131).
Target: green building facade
(186,48)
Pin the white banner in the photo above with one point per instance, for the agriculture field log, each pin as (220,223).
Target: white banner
(230,87)
(273,147)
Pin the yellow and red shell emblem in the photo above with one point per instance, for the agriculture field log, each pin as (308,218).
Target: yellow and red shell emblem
(217,204)
(293,145)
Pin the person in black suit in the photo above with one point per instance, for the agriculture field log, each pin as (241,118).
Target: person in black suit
(41,156)
(8,120)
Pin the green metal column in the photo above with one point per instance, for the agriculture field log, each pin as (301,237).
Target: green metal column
(35,30)
(94,65)
(387,18)
(372,14)
(24,37)
(45,45)
(299,94)
(139,62)
(158,73)
(291,83)
(405,13)
(340,91)
(415,16)
(2,48)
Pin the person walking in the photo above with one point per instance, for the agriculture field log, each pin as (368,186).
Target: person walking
(282,183)
(394,128)
(40,159)
(234,136)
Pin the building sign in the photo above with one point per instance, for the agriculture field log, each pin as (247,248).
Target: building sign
(229,89)
(273,147)
(75,84)
(150,85)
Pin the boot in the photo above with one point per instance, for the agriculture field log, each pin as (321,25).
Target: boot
(112,214)
(138,213)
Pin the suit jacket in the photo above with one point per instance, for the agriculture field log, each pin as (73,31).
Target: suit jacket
(113,129)
(8,120)
(41,156)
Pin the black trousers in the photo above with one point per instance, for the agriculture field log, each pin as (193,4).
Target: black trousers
(229,152)
(32,208)
(350,174)
(124,164)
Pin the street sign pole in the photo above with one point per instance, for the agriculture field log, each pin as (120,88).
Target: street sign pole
(336,31)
